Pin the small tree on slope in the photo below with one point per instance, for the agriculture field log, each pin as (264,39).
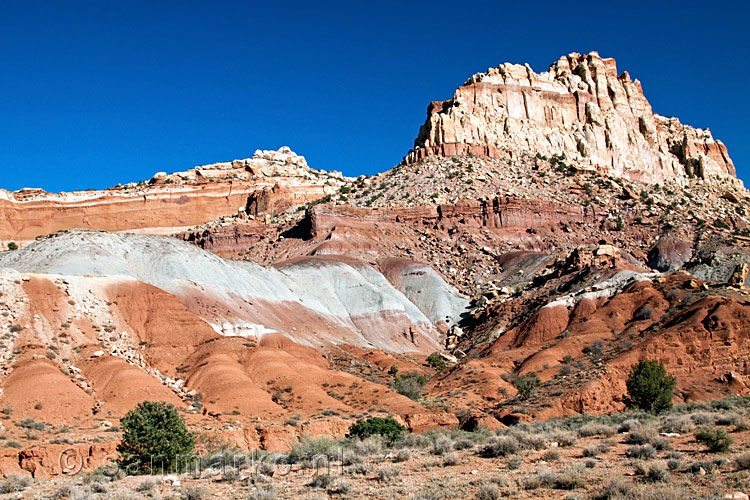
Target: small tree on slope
(154,438)
(649,387)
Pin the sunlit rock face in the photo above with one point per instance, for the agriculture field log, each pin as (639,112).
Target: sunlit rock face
(581,108)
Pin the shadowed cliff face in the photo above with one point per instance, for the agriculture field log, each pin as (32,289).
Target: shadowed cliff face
(581,109)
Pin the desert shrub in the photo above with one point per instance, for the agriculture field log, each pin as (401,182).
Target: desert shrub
(263,493)
(641,451)
(432,492)
(436,361)
(742,424)
(528,440)
(463,444)
(15,483)
(566,438)
(339,486)
(403,455)
(192,493)
(595,450)
(616,489)
(527,384)
(703,418)
(594,429)
(706,465)
(514,463)
(70,492)
(154,435)
(551,456)
(590,463)
(147,484)
(30,423)
(595,351)
(409,384)
(743,461)
(377,426)
(649,387)
(488,491)
(386,473)
(451,458)
(728,419)
(442,445)
(640,436)
(679,424)
(715,439)
(645,312)
(321,481)
(568,480)
(350,457)
(628,425)
(674,464)
(657,474)
(500,447)
(531,483)
(12,245)
(369,446)
(310,448)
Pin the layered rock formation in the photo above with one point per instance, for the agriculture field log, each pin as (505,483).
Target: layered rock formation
(581,109)
(169,202)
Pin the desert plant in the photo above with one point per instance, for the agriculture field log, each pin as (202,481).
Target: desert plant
(500,447)
(527,384)
(657,473)
(442,445)
(715,439)
(310,448)
(376,426)
(386,473)
(409,384)
(192,493)
(154,435)
(451,458)
(339,486)
(403,455)
(12,245)
(641,451)
(436,361)
(488,491)
(263,493)
(321,481)
(595,351)
(743,461)
(14,483)
(649,387)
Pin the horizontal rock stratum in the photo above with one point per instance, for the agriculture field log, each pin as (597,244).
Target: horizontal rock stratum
(582,109)
(168,202)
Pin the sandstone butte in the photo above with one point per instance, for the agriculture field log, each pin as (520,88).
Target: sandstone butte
(581,108)
(537,216)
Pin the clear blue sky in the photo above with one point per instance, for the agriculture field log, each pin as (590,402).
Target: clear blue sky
(96,93)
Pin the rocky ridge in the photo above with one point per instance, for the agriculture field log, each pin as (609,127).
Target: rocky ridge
(581,108)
